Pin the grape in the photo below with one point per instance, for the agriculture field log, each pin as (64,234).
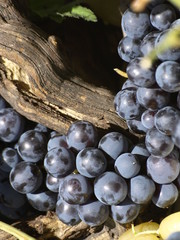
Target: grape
(11,125)
(157,143)
(171,54)
(164,119)
(44,200)
(91,162)
(75,189)
(148,42)
(174,236)
(154,3)
(165,195)
(176,133)
(9,159)
(167,76)
(163,170)
(110,188)
(25,177)
(59,162)
(140,150)
(140,76)
(113,144)
(152,98)
(81,134)
(41,128)
(126,104)
(127,165)
(135,126)
(147,118)
(135,25)
(175,24)
(129,48)
(162,16)
(93,213)
(67,213)
(32,146)
(128,84)
(52,183)
(57,140)
(141,189)
(125,212)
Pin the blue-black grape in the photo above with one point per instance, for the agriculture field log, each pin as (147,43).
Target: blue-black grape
(53,183)
(8,159)
(163,170)
(82,134)
(91,162)
(60,162)
(148,42)
(165,195)
(154,3)
(141,189)
(57,140)
(126,211)
(93,213)
(135,125)
(32,146)
(175,134)
(76,189)
(128,84)
(110,188)
(147,118)
(126,104)
(127,165)
(67,213)
(157,143)
(25,177)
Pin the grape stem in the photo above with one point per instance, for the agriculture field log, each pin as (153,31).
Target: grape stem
(15,232)
(121,73)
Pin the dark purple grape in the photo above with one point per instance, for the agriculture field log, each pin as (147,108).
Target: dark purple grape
(11,125)
(141,189)
(125,212)
(163,170)
(32,146)
(42,200)
(175,134)
(113,144)
(164,119)
(127,165)
(53,183)
(110,188)
(135,25)
(41,128)
(8,159)
(148,42)
(76,189)
(25,177)
(135,125)
(147,118)
(93,213)
(140,150)
(162,16)
(129,48)
(82,134)
(60,162)
(152,98)
(57,140)
(128,84)
(157,143)
(140,76)
(168,75)
(67,213)
(91,162)
(126,104)
(165,195)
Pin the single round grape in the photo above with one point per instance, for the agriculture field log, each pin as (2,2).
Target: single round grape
(129,48)
(168,75)
(44,200)
(126,104)
(141,189)
(163,170)
(25,177)
(67,213)
(164,119)
(81,134)
(32,146)
(128,84)
(11,125)
(53,183)
(162,16)
(140,150)
(152,98)
(125,212)
(91,162)
(113,144)
(93,213)
(135,125)
(135,25)
(148,42)
(9,159)
(60,162)
(140,76)
(147,118)
(75,189)
(110,188)
(57,140)
(157,143)
(127,165)
(165,195)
